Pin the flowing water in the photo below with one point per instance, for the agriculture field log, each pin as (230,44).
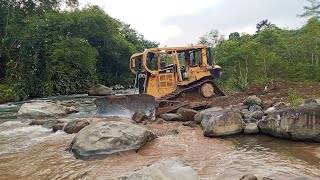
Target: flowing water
(34,152)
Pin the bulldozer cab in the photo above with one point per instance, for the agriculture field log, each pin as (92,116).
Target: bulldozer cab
(160,71)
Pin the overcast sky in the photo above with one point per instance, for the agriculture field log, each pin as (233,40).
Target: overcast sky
(181,22)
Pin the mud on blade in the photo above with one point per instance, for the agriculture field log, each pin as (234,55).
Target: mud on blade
(126,105)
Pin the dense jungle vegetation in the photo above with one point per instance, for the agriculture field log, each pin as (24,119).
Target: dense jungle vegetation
(46,51)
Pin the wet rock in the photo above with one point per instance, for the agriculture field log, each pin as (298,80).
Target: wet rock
(38,109)
(187,114)
(50,123)
(266,178)
(222,123)
(255,107)
(270,110)
(310,101)
(200,115)
(191,124)
(69,103)
(298,123)
(75,126)
(100,90)
(58,127)
(139,117)
(251,120)
(171,117)
(168,168)
(249,177)
(251,128)
(37,122)
(108,137)
(222,101)
(252,100)
(70,110)
(257,114)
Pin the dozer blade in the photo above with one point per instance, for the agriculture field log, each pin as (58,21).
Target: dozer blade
(126,105)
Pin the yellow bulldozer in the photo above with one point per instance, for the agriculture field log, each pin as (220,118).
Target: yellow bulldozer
(163,75)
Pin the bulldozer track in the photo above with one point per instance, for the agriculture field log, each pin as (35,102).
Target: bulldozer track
(192,87)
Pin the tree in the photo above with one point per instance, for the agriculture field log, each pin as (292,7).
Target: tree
(211,38)
(313,10)
(234,36)
(264,24)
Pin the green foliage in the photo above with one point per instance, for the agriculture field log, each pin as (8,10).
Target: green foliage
(272,53)
(7,94)
(293,98)
(45,51)
(313,10)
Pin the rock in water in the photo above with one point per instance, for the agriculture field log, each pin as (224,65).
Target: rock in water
(222,123)
(37,122)
(100,90)
(187,114)
(139,117)
(200,115)
(298,123)
(58,127)
(43,108)
(108,137)
(75,126)
(169,168)
(251,128)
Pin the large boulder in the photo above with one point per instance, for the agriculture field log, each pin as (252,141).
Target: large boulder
(222,123)
(75,126)
(100,90)
(43,108)
(108,137)
(169,168)
(187,114)
(298,123)
(200,115)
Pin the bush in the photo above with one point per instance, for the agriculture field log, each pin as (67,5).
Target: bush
(293,98)
(7,94)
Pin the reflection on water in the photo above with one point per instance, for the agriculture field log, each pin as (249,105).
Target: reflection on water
(33,152)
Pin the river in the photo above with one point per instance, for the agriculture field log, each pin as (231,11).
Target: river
(34,152)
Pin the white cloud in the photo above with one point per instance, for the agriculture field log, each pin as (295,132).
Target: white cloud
(148,17)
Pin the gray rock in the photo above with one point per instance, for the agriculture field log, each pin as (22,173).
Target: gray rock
(200,115)
(171,117)
(251,120)
(42,109)
(255,107)
(100,90)
(270,110)
(249,177)
(139,117)
(257,114)
(75,126)
(246,113)
(169,168)
(251,128)
(108,137)
(222,123)
(310,101)
(298,123)
(251,100)
(187,114)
